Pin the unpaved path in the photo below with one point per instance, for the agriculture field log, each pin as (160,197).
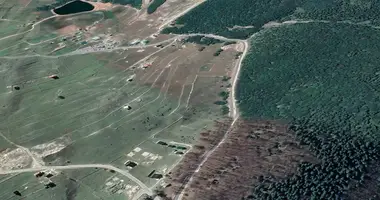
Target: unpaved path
(103,166)
(235,76)
(233,107)
(35,162)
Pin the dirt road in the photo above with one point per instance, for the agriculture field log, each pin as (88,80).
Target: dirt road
(233,107)
(103,166)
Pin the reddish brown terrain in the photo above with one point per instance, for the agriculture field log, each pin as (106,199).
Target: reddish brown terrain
(179,176)
(253,150)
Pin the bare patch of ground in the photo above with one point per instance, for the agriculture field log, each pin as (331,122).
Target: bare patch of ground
(100,5)
(68,30)
(43,150)
(240,27)
(253,150)
(14,159)
(179,176)
(272,24)
(239,47)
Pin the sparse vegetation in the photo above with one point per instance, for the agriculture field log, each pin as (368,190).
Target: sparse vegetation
(225,109)
(202,40)
(108,14)
(238,54)
(226,78)
(220,103)
(201,48)
(224,95)
(229,43)
(217,53)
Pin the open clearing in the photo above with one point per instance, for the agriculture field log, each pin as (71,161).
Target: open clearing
(99,102)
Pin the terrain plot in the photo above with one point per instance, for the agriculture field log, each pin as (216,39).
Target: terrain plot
(99,105)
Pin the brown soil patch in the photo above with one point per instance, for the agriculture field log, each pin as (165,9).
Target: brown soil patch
(179,176)
(100,5)
(68,30)
(239,47)
(251,151)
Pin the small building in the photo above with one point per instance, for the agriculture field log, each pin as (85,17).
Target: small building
(134,42)
(54,76)
(162,143)
(49,175)
(50,185)
(130,164)
(155,175)
(39,174)
(17,193)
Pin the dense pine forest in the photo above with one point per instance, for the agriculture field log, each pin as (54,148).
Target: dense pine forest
(242,18)
(323,78)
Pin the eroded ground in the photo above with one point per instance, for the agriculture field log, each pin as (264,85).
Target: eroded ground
(253,151)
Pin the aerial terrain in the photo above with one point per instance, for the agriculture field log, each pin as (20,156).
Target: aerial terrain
(189,99)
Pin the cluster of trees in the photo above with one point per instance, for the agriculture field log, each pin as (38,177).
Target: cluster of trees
(158,192)
(202,40)
(223,103)
(154,5)
(323,79)
(217,52)
(345,158)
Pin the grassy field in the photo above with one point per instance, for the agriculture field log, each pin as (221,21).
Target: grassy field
(83,184)
(106,105)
